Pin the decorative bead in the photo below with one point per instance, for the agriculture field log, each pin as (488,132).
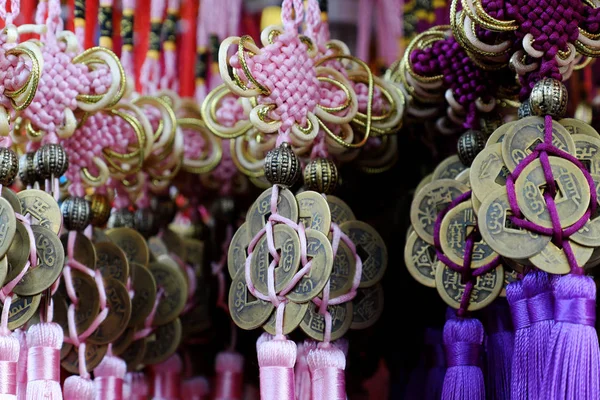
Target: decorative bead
(549,97)
(144,222)
(490,123)
(321,175)
(76,213)
(9,166)
(524,110)
(164,209)
(121,218)
(282,166)
(469,145)
(100,207)
(27,173)
(51,160)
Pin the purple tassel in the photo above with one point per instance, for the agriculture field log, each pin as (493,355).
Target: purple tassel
(435,363)
(537,286)
(463,339)
(573,370)
(499,350)
(520,366)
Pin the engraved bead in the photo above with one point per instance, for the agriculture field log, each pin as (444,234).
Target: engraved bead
(121,218)
(282,166)
(9,166)
(469,145)
(51,160)
(100,207)
(27,173)
(144,222)
(524,110)
(321,175)
(549,97)
(164,209)
(76,213)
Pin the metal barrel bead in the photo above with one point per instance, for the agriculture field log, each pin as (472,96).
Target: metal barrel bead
(76,213)
(100,208)
(469,145)
(51,160)
(321,175)
(144,221)
(121,218)
(27,173)
(549,97)
(282,166)
(164,208)
(524,110)
(9,166)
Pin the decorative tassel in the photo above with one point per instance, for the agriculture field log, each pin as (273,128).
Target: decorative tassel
(21,336)
(138,385)
(537,286)
(301,371)
(43,361)
(276,359)
(195,388)
(80,387)
(435,363)
(327,364)
(9,356)
(463,339)
(499,350)
(519,381)
(108,378)
(229,383)
(573,369)
(167,377)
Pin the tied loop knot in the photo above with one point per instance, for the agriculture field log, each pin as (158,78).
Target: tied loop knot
(575,311)
(463,354)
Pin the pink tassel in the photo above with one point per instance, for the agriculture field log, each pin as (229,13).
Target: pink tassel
(573,369)
(276,359)
(21,336)
(138,385)
(301,371)
(519,381)
(327,364)
(108,378)
(537,286)
(229,383)
(9,356)
(167,378)
(463,339)
(43,361)
(195,388)
(79,388)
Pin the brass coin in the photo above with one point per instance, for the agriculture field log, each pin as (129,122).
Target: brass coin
(587,150)
(371,249)
(12,199)
(132,243)
(119,312)
(501,234)
(122,343)
(499,134)
(420,259)
(429,202)
(589,235)
(247,311)
(450,287)
(343,271)
(287,243)
(554,260)
(93,356)
(134,354)
(313,323)
(111,261)
(88,306)
(22,309)
(526,134)
(577,127)
(18,253)
(292,316)
(144,288)
(173,282)
(455,227)
(194,252)
(476,203)
(174,243)
(259,212)
(83,249)
(318,249)
(157,247)
(59,315)
(426,179)
(42,207)
(510,276)
(8,226)
(340,211)
(3,268)
(572,197)
(449,168)
(314,211)
(463,177)
(488,172)
(51,260)
(238,250)
(162,343)
(99,236)
(367,307)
